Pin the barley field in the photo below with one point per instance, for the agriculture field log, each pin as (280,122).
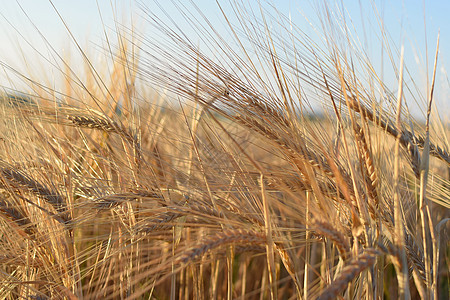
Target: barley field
(263,165)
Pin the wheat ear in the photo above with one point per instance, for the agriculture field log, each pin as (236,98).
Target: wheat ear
(326,229)
(228,237)
(11,214)
(295,152)
(405,137)
(370,175)
(17,180)
(435,150)
(348,273)
(161,222)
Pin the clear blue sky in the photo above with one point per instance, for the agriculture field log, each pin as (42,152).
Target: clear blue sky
(403,19)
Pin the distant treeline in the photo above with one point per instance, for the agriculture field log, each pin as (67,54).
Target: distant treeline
(15,98)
